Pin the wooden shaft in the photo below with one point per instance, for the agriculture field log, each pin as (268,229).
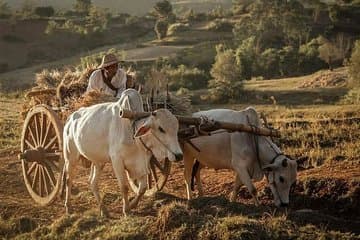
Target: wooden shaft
(247,128)
(215,125)
(209,125)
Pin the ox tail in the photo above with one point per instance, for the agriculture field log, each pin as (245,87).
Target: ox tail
(195,168)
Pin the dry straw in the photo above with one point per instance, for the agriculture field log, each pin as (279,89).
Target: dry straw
(66,90)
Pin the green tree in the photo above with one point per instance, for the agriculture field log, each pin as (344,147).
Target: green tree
(246,56)
(309,60)
(240,6)
(5,10)
(161,27)
(27,8)
(354,65)
(288,61)
(97,19)
(82,6)
(164,12)
(227,79)
(269,63)
(329,52)
(274,23)
(163,9)
(185,77)
(47,11)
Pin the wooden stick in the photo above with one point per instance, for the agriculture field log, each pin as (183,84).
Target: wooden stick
(207,125)
(215,125)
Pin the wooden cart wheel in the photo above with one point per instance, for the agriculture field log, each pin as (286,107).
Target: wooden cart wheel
(41,157)
(159,172)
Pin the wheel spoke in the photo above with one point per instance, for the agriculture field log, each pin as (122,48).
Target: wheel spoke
(40,181)
(29,144)
(158,165)
(32,167)
(50,176)
(41,128)
(32,135)
(45,182)
(52,165)
(37,130)
(46,132)
(51,142)
(35,179)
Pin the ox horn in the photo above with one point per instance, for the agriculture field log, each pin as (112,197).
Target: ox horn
(133,115)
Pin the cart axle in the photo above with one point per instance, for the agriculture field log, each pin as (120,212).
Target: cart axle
(37,155)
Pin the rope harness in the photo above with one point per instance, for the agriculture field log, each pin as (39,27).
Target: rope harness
(278,154)
(108,83)
(159,140)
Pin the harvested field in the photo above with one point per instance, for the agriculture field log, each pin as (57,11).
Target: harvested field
(324,201)
(327,78)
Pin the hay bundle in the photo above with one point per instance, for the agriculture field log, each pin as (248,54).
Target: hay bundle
(57,87)
(179,105)
(48,78)
(70,86)
(73,85)
(85,100)
(157,83)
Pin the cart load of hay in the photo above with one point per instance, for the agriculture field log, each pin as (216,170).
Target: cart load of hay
(65,91)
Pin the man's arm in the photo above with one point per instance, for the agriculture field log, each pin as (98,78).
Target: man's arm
(93,81)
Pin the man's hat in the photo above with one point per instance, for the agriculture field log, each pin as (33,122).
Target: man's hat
(108,60)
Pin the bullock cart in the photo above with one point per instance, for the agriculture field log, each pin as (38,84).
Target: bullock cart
(41,146)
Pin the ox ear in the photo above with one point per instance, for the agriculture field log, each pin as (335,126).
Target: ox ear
(144,129)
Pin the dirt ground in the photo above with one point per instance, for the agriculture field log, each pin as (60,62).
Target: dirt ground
(327,196)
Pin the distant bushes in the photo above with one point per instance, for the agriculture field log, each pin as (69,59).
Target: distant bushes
(177,27)
(226,84)
(354,65)
(185,77)
(278,62)
(95,22)
(353,96)
(47,11)
(161,27)
(201,56)
(220,25)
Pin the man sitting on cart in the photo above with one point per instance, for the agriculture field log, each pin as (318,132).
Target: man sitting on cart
(109,78)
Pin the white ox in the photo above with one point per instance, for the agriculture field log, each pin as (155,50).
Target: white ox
(238,151)
(99,134)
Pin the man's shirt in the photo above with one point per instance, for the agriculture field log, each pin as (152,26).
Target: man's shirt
(96,82)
